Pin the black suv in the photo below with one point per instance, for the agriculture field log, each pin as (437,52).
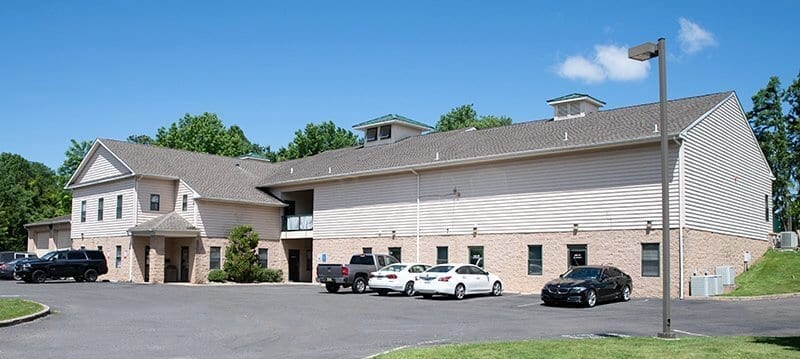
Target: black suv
(588,285)
(81,264)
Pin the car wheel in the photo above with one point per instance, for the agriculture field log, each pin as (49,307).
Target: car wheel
(497,289)
(78,279)
(625,295)
(383,292)
(359,285)
(38,276)
(409,289)
(90,275)
(332,287)
(427,296)
(460,292)
(591,298)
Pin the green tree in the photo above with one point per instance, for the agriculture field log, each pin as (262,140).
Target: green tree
(29,191)
(314,139)
(465,116)
(241,260)
(771,128)
(791,97)
(141,139)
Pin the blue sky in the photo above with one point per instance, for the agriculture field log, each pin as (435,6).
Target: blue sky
(88,69)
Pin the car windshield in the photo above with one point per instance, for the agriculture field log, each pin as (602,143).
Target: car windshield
(440,269)
(49,255)
(393,268)
(582,273)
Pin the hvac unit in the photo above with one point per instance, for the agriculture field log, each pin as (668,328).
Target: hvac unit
(701,286)
(727,274)
(788,240)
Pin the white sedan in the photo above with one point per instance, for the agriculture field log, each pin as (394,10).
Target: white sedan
(457,280)
(398,277)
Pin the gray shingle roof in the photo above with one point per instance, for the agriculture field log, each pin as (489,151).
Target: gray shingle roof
(627,124)
(170,222)
(212,177)
(54,220)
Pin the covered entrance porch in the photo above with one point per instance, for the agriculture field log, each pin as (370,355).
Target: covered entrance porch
(165,249)
(300,257)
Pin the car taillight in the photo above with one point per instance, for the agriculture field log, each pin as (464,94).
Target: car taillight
(345,271)
(2,266)
(391,276)
(444,279)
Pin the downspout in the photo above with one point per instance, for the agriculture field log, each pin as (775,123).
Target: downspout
(681,213)
(417,174)
(131,254)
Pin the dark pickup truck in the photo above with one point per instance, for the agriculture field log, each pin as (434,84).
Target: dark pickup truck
(81,264)
(355,274)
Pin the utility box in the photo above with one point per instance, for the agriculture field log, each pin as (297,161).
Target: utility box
(715,281)
(727,273)
(701,286)
(788,240)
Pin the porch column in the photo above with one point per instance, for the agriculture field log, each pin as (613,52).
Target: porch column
(156,259)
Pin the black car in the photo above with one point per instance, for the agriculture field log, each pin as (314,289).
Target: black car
(80,264)
(587,285)
(7,269)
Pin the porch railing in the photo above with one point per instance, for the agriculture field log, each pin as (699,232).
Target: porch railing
(303,222)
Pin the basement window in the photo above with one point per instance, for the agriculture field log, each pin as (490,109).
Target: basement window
(372,134)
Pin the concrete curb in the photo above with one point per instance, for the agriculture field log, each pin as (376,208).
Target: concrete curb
(44,312)
(738,299)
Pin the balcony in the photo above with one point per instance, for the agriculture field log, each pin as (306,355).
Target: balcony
(297,226)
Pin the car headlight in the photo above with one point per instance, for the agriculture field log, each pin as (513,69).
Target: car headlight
(577,289)
(26,265)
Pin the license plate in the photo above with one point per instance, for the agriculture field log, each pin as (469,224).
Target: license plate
(329,279)
(427,282)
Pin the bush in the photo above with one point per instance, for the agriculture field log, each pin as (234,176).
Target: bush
(217,275)
(268,275)
(241,260)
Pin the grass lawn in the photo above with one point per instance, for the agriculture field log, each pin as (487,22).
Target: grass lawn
(776,272)
(706,347)
(11,308)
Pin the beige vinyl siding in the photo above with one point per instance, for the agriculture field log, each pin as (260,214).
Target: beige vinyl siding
(165,188)
(215,219)
(605,190)
(110,226)
(102,165)
(726,176)
(189,214)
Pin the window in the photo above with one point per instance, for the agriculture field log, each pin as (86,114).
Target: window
(574,109)
(76,255)
(385,132)
(155,202)
(262,257)
(185,202)
(396,252)
(441,255)
(535,260)
(766,207)
(372,134)
(366,250)
(476,256)
(100,248)
(100,209)
(577,255)
(381,262)
(214,258)
(83,211)
(650,261)
(562,110)
(119,206)
(118,257)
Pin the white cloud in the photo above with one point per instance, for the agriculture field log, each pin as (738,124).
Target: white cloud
(610,63)
(579,68)
(694,38)
(618,66)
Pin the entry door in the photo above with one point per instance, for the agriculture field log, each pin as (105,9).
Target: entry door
(184,264)
(577,255)
(146,263)
(294,265)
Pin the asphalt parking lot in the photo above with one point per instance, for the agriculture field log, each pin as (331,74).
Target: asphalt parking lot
(101,320)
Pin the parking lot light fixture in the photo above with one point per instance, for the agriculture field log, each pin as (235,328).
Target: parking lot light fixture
(646,52)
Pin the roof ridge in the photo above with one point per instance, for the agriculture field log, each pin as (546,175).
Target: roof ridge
(170,149)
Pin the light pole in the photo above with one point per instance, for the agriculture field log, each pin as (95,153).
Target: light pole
(646,52)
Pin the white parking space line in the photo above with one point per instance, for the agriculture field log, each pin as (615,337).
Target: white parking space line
(688,333)
(527,305)
(9,296)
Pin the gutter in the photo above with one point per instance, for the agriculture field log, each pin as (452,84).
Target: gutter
(418,179)
(131,253)
(681,214)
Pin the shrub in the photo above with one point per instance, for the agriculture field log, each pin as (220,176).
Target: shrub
(269,275)
(241,260)
(217,275)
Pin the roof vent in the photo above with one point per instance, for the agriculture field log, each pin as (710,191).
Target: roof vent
(574,105)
